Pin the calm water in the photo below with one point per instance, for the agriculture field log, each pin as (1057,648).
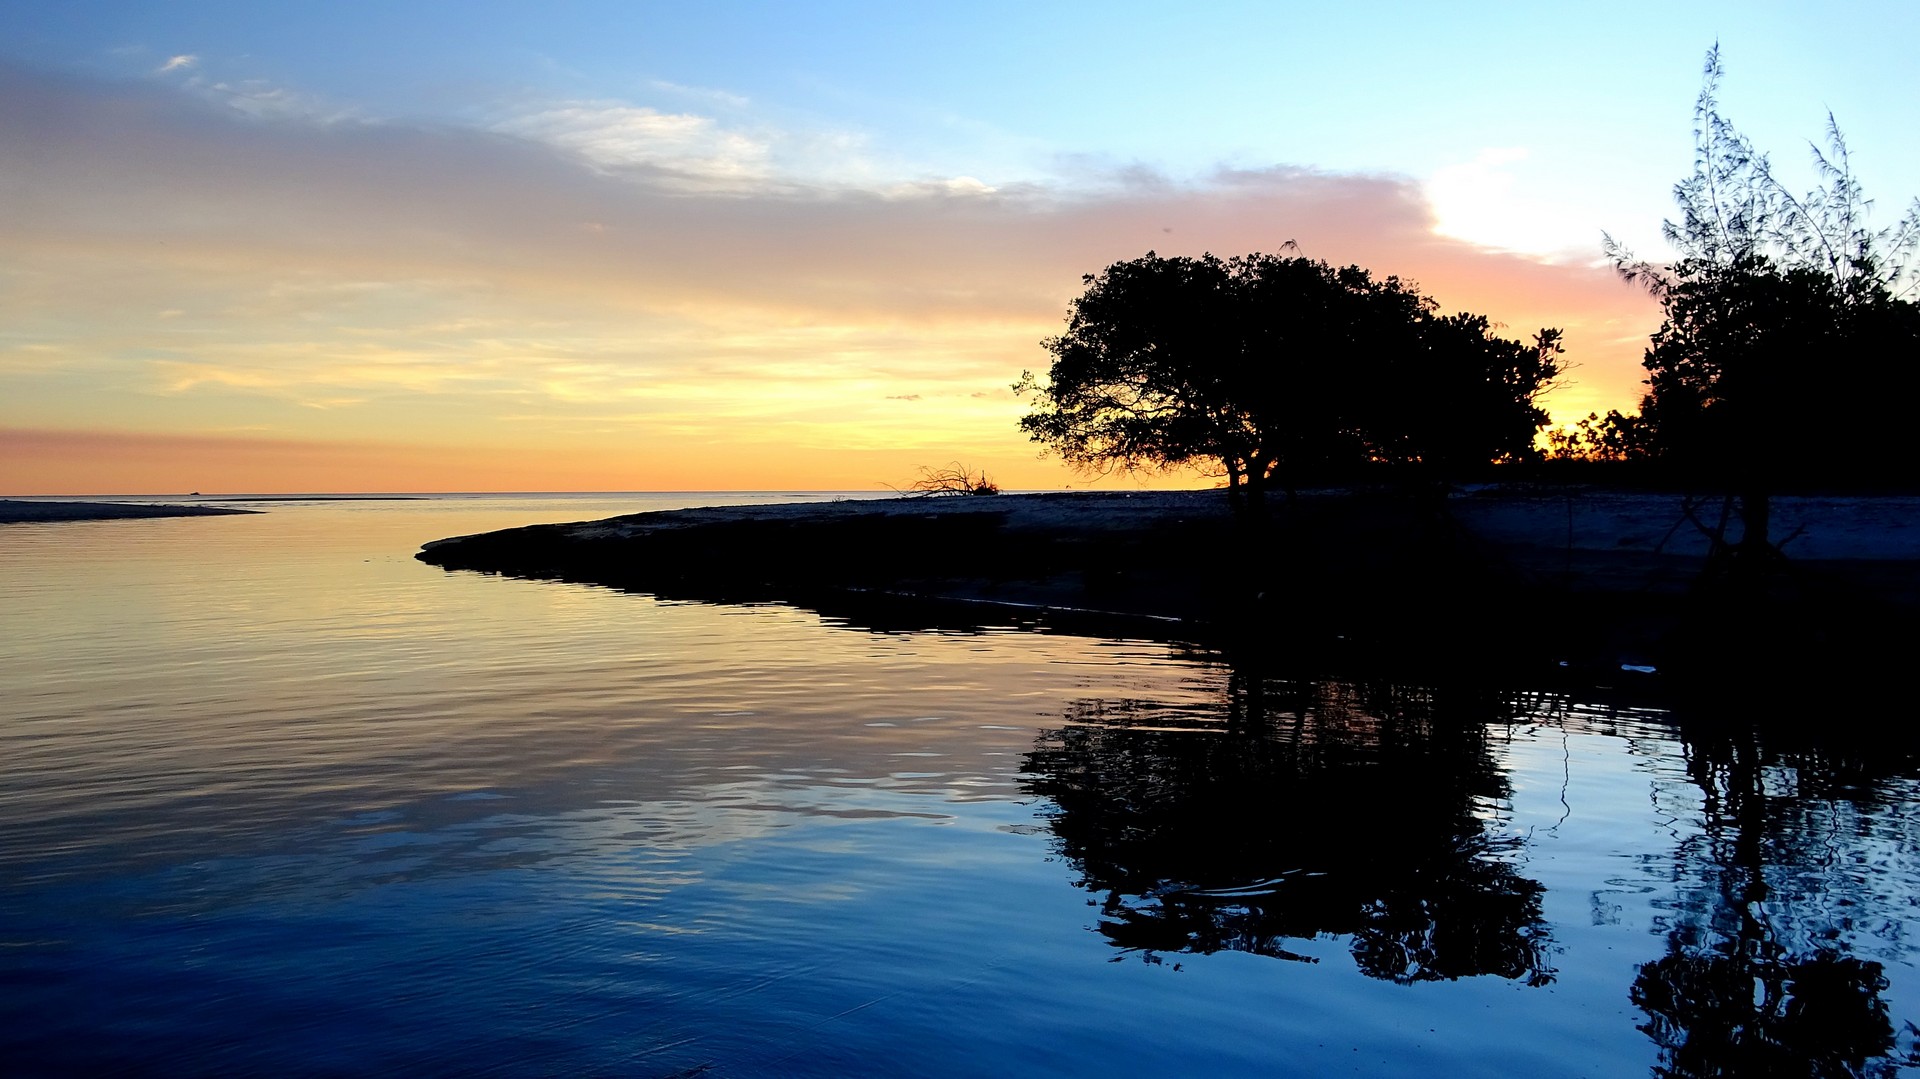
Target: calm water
(277,799)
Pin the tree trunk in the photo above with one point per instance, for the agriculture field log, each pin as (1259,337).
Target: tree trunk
(1256,504)
(1235,498)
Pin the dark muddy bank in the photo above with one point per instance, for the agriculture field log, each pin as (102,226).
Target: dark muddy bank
(1497,577)
(35,511)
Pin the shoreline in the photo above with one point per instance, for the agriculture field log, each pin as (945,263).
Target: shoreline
(1588,577)
(21,511)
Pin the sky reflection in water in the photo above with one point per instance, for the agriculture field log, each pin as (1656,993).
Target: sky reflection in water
(279,799)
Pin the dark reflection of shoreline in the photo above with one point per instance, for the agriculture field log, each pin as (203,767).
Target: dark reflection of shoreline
(1803,857)
(1290,811)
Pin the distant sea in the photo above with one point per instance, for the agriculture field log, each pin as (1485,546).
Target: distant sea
(277,799)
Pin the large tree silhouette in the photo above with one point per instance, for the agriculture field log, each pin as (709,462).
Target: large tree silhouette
(1266,369)
(1784,324)
(1765,374)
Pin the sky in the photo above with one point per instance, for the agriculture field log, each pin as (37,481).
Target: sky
(490,246)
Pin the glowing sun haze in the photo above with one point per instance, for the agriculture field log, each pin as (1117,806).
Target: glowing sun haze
(304,247)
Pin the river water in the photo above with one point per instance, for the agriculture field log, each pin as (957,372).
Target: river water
(275,798)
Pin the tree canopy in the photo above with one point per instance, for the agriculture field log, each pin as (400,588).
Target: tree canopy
(1786,324)
(1269,369)
(1763,373)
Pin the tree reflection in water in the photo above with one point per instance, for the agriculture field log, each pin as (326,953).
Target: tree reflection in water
(1261,815)
(1802,852)
(1289,811)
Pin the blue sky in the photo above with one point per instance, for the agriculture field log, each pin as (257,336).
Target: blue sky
(1596,97)
(391,177)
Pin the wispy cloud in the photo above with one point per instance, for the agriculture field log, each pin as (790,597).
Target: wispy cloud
(253,97)
(700,93)
(719,146)
(615,136)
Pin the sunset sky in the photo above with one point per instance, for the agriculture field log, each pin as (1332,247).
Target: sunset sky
(294,246)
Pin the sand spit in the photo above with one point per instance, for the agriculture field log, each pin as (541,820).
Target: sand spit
(1604,576)
(18,511)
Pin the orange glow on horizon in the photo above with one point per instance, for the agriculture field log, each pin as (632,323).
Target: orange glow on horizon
(42,463)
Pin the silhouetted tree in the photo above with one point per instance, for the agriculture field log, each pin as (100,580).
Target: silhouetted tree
(1765,374)
(1783,322)
(1266,368)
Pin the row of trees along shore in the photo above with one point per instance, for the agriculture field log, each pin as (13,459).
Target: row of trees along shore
(1788,353)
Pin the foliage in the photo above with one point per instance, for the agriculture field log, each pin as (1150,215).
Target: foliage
(954,479)
(1267,369)
(1785,324)
(1734,210)
(1732,392)
(1613,437)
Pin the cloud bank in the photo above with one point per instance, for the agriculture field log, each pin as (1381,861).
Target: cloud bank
(595,279)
